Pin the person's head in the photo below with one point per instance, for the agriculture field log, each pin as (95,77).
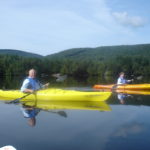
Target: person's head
(121,74)
(122,101)
(32,122)
(32,73)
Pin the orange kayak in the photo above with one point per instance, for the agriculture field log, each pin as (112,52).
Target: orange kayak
(124,86)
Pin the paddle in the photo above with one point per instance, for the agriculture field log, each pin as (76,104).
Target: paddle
(114,87)
(61,113)
(137,78)
(18,99)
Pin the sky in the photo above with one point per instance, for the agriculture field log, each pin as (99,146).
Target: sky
(50,26)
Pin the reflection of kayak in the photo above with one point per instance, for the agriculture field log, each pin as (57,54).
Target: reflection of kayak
(57,94)
(137,92)
(83,105)
(125,86)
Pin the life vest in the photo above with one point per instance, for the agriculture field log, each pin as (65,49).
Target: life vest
(33,83)
(30,113)
(122,81)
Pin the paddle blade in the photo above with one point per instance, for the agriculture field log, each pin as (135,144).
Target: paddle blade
(139,78)
(62,113)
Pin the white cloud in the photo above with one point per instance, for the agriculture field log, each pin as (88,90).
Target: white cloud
(134,128)
(125,19)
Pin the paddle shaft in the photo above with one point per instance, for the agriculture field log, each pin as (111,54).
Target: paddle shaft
(18,99)
(116,86)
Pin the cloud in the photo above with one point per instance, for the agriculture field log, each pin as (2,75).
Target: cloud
(45,24)
(40,25)
(131,129)
(124,19)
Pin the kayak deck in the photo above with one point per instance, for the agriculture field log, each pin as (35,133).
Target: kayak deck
(57,94)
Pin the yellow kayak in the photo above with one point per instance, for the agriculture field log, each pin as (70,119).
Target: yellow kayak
(57,95)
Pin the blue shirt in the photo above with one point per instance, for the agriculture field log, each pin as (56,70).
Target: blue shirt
(31,83)
(121,96)
(121,81)
(30,113)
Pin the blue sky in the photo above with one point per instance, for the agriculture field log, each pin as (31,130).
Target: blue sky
(50,26)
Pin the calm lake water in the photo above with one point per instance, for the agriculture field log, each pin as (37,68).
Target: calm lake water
(125,125)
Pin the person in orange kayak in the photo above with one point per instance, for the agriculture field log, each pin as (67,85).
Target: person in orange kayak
(122,80)
(31,84)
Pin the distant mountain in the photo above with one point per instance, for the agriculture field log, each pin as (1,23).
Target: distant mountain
(19,53)
(104,52)
(82,62)
(98,53)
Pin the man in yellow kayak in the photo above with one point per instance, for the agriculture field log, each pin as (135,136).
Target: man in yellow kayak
(31,84)
(122,80)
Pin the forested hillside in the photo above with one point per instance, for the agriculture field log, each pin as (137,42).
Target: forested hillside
(107,60)
(104,52)
(18,53)
(100,61)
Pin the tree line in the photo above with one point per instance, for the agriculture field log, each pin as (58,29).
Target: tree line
(18,65)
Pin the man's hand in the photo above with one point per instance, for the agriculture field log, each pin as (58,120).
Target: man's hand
(130,80)
(46,85)
(29,91)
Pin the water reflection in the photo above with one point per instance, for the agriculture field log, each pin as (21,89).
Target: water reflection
(129,99)
(134,92)
(30,113)
(31,108)
(122,128)
(62,105)
(121,98)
